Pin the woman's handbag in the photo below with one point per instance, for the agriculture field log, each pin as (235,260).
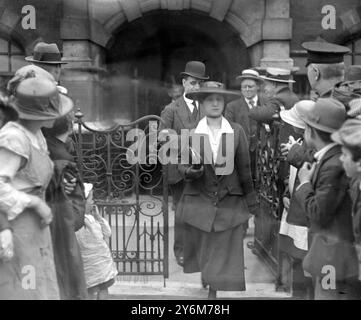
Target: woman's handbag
(326,252)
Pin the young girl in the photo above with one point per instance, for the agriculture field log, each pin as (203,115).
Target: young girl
(99,266)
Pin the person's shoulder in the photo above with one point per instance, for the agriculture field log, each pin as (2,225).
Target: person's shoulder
(175,104)
(238,129)
(14,138)
(236,102)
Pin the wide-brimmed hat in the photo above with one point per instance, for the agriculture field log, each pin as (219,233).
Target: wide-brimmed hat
(293,116)
(278,75)
(47,53)
(195,69)
(250,74)
(349,134)
(25,72)
(326,115)
(212,87)
(38,98)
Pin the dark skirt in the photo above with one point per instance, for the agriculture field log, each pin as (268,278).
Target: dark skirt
(217,255)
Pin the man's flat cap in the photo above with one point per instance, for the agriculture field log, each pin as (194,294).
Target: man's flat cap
(324,52)
(349,134)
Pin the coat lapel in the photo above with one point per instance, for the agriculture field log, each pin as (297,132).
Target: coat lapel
(182,112)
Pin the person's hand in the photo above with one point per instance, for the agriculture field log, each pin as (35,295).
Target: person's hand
(44,212)
(69,185)
(306,172)
(286,147)
(193,172)
(286,202)
(6,245)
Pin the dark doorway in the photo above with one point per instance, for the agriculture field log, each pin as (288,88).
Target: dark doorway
(155,49)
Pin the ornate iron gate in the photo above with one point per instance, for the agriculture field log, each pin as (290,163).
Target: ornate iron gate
(270,191)
(132,197)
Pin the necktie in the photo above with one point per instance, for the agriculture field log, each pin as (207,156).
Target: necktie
(251,103)
(195,110)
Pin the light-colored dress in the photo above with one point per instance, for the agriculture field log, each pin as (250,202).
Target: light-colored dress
(99,266)
(30,274)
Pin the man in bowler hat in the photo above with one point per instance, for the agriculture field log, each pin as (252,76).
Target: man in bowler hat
(182,113)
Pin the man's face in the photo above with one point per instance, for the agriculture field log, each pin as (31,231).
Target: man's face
(191,84)
(249,88)
(270,89)
(352,168)
(53,69)
(213,105)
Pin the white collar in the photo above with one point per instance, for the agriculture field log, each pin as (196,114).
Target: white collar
(254,99)
(202,127)
(321,153)
(188,101)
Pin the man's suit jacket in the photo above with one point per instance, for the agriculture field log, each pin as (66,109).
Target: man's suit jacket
(326,200)
(356,208)
(220,202)
(238,111)
(177,116)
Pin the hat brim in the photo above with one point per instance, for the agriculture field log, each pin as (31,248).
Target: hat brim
(203,93)
(318,126)
(277,80)
(197,76)
(259,79)
(66,105)
(289,117)
(31,59)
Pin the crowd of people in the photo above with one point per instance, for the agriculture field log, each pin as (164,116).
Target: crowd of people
(53,243)
(319,173)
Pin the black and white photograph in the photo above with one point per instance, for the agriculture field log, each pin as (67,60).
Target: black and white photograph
(195,151)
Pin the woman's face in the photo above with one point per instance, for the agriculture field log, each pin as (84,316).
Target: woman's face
(213,105)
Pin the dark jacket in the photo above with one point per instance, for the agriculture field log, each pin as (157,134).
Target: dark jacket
(238,111)
(217,203)
(356,209)
(177,116)
(326,201)
(68,217)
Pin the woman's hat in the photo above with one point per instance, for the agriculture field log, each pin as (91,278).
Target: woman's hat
(195,69)
(212,87)
(47,53)
(326,115)
(250,74)
(25,72)
(38,98)
(278,75)
(293,115)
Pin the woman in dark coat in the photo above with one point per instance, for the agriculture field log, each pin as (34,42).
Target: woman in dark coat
(218,196)
(68,208)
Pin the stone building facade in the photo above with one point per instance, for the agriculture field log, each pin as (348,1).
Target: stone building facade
(121,52)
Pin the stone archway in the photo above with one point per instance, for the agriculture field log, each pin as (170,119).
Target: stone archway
(88,28)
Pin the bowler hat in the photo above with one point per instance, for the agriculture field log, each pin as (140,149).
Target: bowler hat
(213,87)
(323,52)
(38,98)
(293,116)
(47,53)
(349,134)
(278,75)
(326,115)
(195,69)
(250,74)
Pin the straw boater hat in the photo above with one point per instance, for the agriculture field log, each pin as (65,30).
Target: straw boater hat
(47,53)
(195,69)
(212,87)
(250,74)
(278,75)
(38,98)
(326,115)
(293,115)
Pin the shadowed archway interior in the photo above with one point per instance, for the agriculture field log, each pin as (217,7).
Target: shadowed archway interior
(156,47)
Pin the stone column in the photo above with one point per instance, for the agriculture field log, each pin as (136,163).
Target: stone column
(83,48)
(276,34)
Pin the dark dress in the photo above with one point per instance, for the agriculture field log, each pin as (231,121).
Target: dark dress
(215,209)
(68,211)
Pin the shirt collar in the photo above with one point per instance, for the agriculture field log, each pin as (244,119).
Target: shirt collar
(321,153)
(202,127)
(188,101)
(255,100)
